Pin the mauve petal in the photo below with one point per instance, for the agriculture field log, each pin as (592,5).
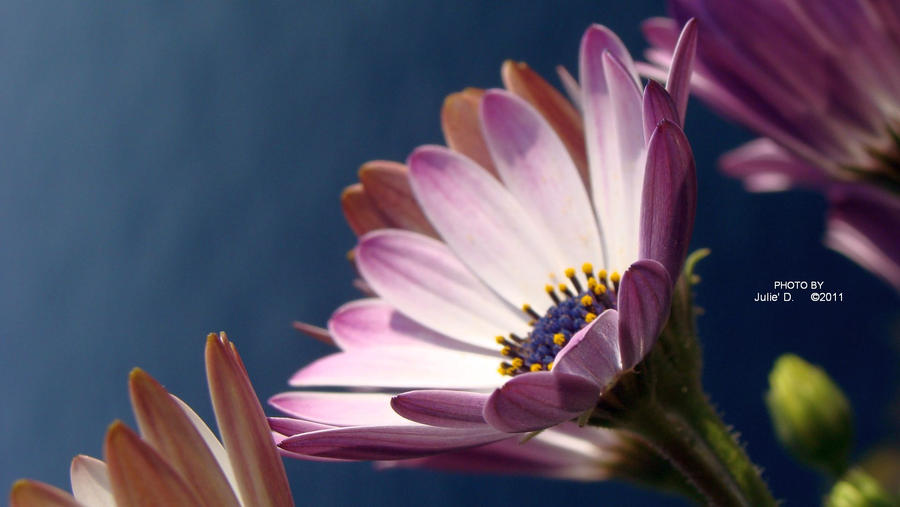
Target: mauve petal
(387,186)
(669,199)
(338,409)
(534,401)
(369,323)
(573,90)
(313,331)
(289,426)
(658,106)
(361,214)
(645,293)
(165,427)
(245,431)
(661,32)
(211,440)
(679,81)
(90,482)
(450,409)
(593,352)
(484,225)
(537,169)
(401,367)
(462,130)
(553,107)
(864,225)
(764,166)
(388,442)
(139,476)
(28,493)
(549,454)
(426,282)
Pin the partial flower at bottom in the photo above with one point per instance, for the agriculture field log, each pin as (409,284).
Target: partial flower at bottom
(177,460)
(518,273)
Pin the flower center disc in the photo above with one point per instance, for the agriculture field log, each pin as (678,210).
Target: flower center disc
(573,308)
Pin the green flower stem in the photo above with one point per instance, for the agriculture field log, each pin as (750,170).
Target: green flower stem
(663,402)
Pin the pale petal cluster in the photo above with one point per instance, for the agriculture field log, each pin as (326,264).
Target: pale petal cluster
(177,460)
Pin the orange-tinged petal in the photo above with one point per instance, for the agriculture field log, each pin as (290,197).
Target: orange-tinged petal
(314,331)
(462,128)
(27,493)
(245,431)
(139,475)
(360,212)
(90,482)
(553,106)
(165,427)
(387,185)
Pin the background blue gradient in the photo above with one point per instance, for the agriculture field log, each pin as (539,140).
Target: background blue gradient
(171,169)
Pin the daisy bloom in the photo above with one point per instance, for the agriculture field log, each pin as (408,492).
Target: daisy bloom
(517,273)
(820,82)
(177,460)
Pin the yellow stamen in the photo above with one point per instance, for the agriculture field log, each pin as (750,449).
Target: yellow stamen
(548,288)
(536,367)
(599,289)
(563,287)
(526,308)
(517,363)
(601,275)
(614,277)
(587,268)
(501,370)
(570,272)
(550,366)
(559,339)
(590,317)
(506,351)
(500,340)
(592,282)
(587,300)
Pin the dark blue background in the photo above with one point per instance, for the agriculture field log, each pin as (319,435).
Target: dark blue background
(174,169)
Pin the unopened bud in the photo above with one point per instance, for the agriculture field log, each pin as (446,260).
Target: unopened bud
(811,415)
(859,489)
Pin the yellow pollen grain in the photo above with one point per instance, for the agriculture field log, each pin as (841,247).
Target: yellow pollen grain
(526,307)
(500,340)
(601,274)
(591,282)
(517,363)
(570,272)
(536,367)
(501,370)
(590,317)
(505,351)
(614,277)
(587,300)
(587,268)
(559,338)
(548,288)
(563,287)
(599,289)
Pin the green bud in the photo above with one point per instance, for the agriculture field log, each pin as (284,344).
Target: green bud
(811,415)
(858,489)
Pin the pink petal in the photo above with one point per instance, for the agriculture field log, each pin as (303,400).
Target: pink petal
(645,293)
(402,367)
(483,224)
(164,426)
(338,409)
(450,409)
(27,493)
(245,431)
(537,169)
(669,199)
(421,278)
(388,442)
(90,482)
(593,353)
(764,166)
(368,323)
(658,106)
(534,401)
